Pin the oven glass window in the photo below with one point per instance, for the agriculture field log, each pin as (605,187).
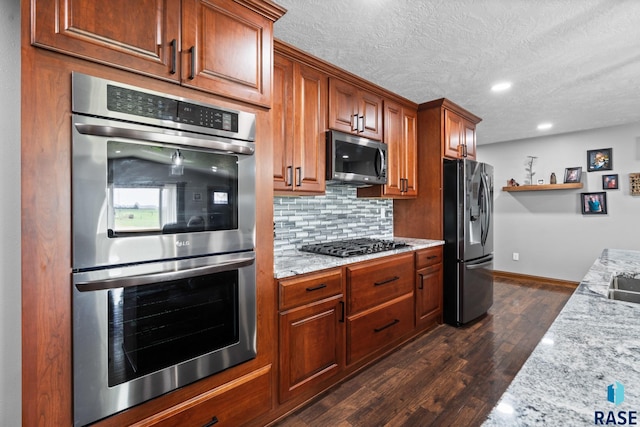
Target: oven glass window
(159,190)
(152,327)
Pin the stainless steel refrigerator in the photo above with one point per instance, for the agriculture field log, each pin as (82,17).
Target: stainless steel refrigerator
(468,235)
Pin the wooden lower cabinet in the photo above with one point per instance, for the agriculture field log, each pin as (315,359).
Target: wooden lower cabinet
(311,345)
(380,304)
(429,287)
(372,283)
(220,406)
(378,327)
(311,331)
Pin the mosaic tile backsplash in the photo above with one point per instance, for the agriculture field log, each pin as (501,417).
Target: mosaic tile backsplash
(336,215)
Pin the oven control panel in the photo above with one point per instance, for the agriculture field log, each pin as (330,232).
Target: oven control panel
(138,103)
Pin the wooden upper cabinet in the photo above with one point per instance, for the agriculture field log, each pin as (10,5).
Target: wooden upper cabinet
(227,49)
(220,46)
(139,36)
(459,136)
(282,123)
(299,117)
(354,110)
(401,137)
(393,137)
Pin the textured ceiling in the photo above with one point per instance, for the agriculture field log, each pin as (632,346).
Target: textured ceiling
(575,63)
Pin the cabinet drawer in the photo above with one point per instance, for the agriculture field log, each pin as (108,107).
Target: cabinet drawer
(309,288)
(378,281)
(427,257)
(221,404)
(373,329)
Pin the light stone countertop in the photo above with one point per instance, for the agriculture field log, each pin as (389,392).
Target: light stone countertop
(593,343)
(305,262)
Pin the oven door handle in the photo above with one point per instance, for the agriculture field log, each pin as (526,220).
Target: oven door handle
(170,138)
(167,276)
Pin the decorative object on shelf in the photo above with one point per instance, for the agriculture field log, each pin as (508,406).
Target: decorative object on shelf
(600,160)
(593,203)
(553,179)
(572,174)
(541,182)
(610,182)
(512,183)
(634,183)
(529,168)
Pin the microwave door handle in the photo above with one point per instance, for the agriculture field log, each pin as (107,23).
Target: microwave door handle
(141,135)
(167,276)
(381,169)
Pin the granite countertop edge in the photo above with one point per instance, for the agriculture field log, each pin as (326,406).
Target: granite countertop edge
(298,262)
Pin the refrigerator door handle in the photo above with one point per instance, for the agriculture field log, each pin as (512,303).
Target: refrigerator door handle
(486,210)
(480,265)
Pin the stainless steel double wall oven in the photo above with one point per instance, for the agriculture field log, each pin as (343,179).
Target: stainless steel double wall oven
(164,280)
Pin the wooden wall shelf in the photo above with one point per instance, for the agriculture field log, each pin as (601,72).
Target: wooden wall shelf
(544,187)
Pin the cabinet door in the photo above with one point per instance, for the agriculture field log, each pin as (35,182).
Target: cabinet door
(310,124)
(469,130)
(410,152)
(282,117)
(429,295)
(343,106)
(102,31)
(312,345)
(393,133)
(371,109)
(227,50)
(453,135)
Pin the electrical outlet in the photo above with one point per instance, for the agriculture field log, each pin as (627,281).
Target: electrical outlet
(516,256)
(382,213)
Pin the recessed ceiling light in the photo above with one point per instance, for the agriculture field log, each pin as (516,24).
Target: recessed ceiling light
(545,126)
(501,87)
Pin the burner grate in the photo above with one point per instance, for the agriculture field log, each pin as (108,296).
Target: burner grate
(353,247)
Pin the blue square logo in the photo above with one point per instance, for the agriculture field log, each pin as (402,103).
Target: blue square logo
(615,393)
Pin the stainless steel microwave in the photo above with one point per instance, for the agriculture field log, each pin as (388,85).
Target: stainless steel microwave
(355,160)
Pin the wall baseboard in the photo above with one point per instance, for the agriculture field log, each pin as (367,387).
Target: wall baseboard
(536,279)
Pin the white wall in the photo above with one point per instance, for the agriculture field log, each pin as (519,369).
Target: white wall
(10,352)
(547,228)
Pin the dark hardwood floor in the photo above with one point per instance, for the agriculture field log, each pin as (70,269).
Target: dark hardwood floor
(449,376)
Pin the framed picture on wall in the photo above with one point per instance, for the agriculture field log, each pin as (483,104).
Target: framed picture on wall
(572,174)
(600,160)
(610,182)
(593,203)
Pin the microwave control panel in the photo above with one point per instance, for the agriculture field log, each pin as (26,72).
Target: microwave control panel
(138,103)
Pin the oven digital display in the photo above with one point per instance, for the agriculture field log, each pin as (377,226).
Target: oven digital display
(207,117)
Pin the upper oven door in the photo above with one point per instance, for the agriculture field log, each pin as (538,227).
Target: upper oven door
(141,193)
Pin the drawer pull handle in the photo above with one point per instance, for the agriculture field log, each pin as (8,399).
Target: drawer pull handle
(384,282)
(341,311)
(213,421)
(432,257)
(421,285)
(382,328)
(316,288)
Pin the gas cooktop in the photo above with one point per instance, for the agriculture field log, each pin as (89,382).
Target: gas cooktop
(353,247)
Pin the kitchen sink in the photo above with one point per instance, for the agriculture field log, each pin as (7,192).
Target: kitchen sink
(625,287)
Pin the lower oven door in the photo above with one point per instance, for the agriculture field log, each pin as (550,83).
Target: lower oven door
(144,330)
